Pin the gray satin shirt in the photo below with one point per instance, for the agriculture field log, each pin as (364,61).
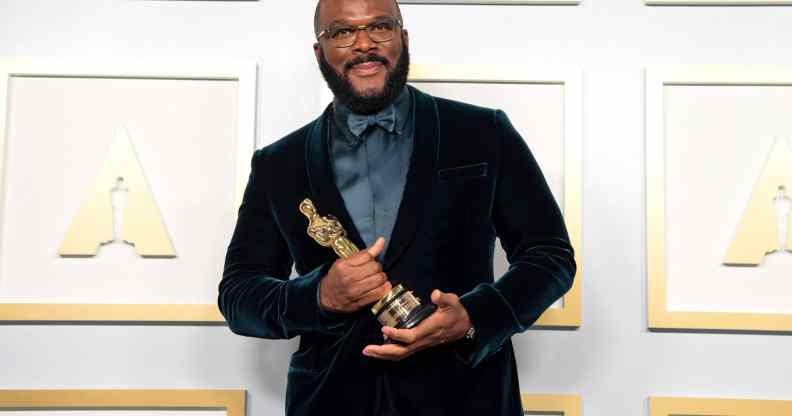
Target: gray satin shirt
(371,170)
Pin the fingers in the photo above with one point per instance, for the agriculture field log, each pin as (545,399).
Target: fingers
(371,282)
(356,273)
(377,294)
(430,328)
(379,287)
(402,349)
(442,326)
(368,270)
(359,300)
(389,352)
(374,295)
(355,281)
(404,336)
(387,287)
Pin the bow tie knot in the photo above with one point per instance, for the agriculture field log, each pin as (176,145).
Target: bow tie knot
(359,123)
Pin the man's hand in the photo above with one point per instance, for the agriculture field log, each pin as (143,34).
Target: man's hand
(355,281)
(447,324)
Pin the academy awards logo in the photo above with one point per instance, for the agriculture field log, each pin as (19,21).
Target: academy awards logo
(765,225)
(119,209)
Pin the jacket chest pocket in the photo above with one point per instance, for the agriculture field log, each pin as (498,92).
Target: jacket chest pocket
(455,174)
(463,194)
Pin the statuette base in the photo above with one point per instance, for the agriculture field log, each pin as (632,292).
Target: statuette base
(416,316)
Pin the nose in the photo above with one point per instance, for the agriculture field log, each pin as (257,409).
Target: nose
(363,42)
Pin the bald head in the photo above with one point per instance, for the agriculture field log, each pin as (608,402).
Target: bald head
(318,11)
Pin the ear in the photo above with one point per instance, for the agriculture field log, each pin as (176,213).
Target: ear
(406,37)
(317,50)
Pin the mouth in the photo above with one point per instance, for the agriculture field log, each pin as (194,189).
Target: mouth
(367,68)
(368,65)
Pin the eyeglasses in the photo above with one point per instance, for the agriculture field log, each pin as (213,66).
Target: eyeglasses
(344,36)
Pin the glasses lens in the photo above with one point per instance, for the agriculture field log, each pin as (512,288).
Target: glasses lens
(342,36)
(381,30)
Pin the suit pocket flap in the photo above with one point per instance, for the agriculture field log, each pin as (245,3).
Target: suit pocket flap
(467,171)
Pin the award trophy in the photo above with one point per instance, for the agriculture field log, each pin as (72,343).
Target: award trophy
(399,308)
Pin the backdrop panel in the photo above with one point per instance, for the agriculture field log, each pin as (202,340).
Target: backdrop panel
(717,141)
(191,127)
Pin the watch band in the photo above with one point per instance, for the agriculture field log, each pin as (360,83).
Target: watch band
(470,333)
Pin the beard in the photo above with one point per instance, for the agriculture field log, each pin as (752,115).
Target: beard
(367,103)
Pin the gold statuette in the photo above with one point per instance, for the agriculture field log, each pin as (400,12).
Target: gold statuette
(399,308)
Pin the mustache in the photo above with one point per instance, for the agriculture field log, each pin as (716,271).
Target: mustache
(369,57)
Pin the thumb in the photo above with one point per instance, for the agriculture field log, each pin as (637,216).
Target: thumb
(377,247)
(439,298)
(444,300)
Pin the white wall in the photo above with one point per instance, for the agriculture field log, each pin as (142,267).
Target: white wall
(612,360)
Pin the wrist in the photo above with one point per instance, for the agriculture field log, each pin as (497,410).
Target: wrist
(321,299)
(468,329)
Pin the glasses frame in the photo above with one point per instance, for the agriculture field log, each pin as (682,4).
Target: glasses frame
(358,28)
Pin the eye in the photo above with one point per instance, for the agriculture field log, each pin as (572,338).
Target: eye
(341,32)
(381,26)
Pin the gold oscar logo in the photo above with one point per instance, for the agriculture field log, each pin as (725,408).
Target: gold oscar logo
(119,208)
(765,224)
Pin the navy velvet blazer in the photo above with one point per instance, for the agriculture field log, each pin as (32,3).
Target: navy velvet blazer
(471,178)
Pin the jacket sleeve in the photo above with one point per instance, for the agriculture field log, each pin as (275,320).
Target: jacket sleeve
(532,232)
(256,295)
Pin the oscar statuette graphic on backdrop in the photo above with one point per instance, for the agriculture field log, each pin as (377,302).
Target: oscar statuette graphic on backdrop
(764,226)
(118,208)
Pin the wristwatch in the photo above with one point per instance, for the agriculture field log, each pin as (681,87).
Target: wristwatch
(470,333)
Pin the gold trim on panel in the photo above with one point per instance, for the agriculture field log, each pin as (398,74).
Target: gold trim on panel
(244,73)
(690,406)
(498,2)
(570,314)
(565,404)
(659,317)
(75,312)
(233,401)
(717,2)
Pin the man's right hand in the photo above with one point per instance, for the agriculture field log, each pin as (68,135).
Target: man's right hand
(355,281)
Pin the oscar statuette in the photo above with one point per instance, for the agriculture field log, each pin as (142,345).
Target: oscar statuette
(399,308)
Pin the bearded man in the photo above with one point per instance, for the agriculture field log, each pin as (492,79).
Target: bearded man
(425,184)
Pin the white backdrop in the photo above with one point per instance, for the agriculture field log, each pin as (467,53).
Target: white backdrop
(612,360)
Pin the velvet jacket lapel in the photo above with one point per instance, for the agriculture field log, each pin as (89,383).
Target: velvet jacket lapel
(324,193)
(328,199)
(420,176)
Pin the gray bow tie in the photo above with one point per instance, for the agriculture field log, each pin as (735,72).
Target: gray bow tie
(359,123)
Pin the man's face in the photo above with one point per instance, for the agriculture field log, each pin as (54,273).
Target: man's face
(368,75)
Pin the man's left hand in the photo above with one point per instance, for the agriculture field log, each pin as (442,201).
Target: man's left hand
(448,323)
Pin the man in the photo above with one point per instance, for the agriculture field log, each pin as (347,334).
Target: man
(438,180)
